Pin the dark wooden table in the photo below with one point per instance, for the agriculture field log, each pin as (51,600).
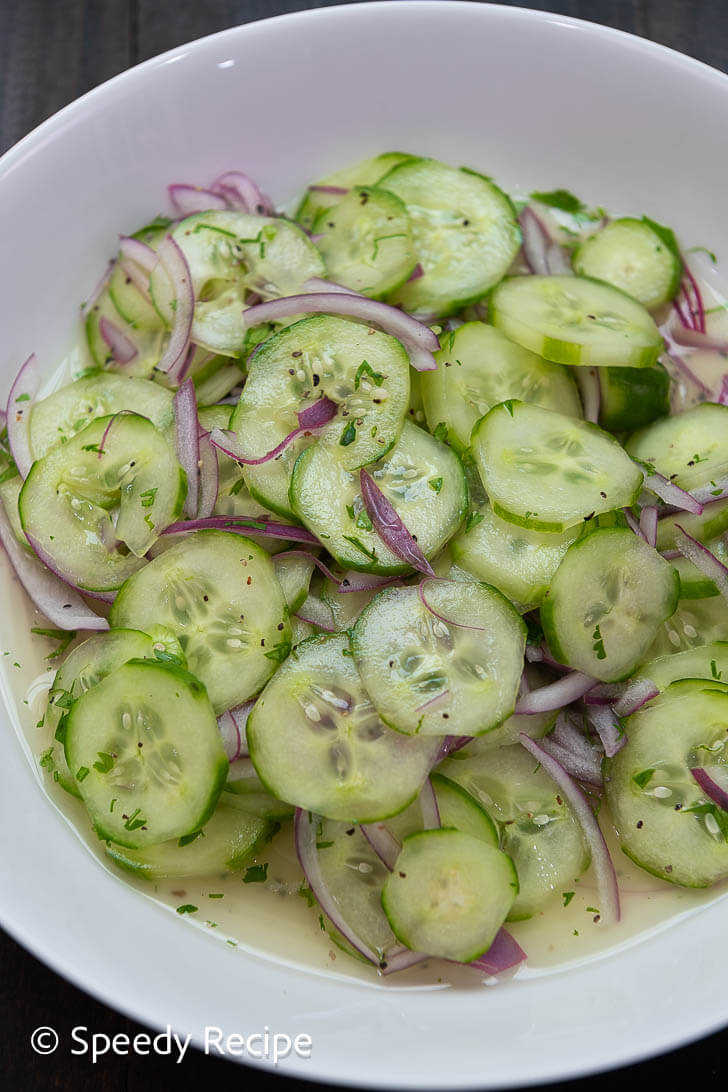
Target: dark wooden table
(51,51)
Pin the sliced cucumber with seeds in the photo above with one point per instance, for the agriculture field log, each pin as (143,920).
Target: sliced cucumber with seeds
(365,372)
(538,828)
(461,811)
(226,844)
(294,576)
(346,606)
(423,480)
(219,594)
(85,666)
(549,472)
(366,241)
(535,725)
(518,561)
(144,747)
(54,420)
(704,662)
(606,602)
(317,742)
(149,342)
(631,398)
(465,231)
(230,255)
(630,254)
(478,367)
(244,790)
(428,676)
(696,622)
(449,894)
(688,448)
(576,320)
(65,504)
(665,822)
(319,196)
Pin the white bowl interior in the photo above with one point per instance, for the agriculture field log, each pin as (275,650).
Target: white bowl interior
(537,101)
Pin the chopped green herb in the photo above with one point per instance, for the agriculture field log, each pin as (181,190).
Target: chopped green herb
(715,673)
(307,894)
(239,485)
(348,435)
(132,823)
(187,908)
(105,762)
(324,845)
(256,874)
(46,759)
(187,839)
(279,652)
(474,518)
(598,646)
(592,910)
(371,554)
(363,521)
(23,398)
(147,497)
(643,778)
(83,772)
(366,369)
(435,484)
(216,895)
(559,199)
(440,432)
(567,896)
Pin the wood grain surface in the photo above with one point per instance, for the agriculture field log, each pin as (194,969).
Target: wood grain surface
(52,51)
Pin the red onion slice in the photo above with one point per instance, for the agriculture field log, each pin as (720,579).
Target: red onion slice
(557,260)
(243,193)
(138,278)
(695,339)
(633,523)
(51,563)
(702,559)
(608,728)
(712,492)
(353,581)
(328,189)
(419,341)
(648,524)
(722,395)
(693,297)
(432,702)
(60,604)
(312,417)
(100,286)
(428,807)
(400,959)
(187,429)
(625,698)
(536,240)
(317,414)
(3,419)
(587,381)
(175,265)
(244,525)
(310,557)
(687,371)
(230,734)
(316,613)
(603,867)
(20,403)
(556,695)
(587,770)
(383,842)
(305,836)
(187,200)
(672,494)
(710,786)
(209,477)
(123,349)
(504,953)
(138,252)
(390,527)
(416,274)
(240,715)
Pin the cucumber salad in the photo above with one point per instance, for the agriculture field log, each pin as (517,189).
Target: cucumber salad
(393,528)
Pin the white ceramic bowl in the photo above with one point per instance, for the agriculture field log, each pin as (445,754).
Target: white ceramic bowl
(535,100)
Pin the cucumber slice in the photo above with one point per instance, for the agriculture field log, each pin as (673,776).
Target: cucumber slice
(549,472)
(316,741)
(232,254)
(449,894)
(294,576)
(461,811)
(422,478)
(629,254)
(133,306)
(665,822)
(465,230)
(710,524)
(347,606)
(517,561)
(145,749)
(244,790)
(366,241)
(354,876)
(85,666)
(366,173)
(538,828)
(694,584)
(54,420)
(226,844)
(631,398)
(696,622)
(219,595)
(9,494)
(428,676)
(689,448)
(705,662)
(365,372)
(149,343)
(115,462)
(606,602)
(478,367)
(576,320)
